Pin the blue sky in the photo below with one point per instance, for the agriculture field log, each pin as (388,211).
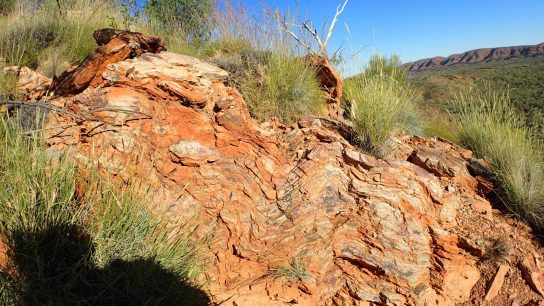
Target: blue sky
(416,29)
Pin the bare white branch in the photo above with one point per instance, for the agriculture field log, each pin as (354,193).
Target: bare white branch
(286,29)
(307,25)
(339,11)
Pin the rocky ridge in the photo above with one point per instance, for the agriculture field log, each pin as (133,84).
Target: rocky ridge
(414,228)
(475,56)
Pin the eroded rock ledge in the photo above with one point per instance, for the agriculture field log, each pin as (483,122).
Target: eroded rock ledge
(400,231)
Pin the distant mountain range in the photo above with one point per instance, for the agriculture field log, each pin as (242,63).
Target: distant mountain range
(476,56)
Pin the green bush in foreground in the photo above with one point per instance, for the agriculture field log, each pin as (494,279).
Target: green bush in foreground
(491,128)
(8,85)
(74,239)
(193,16)
(379,105)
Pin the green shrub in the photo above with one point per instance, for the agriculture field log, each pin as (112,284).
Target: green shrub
(193,16)
(8,86)
(388,65)
(379,105)
(439,123)
(50,40)
(287,89)
(491,127)
(22,41)
(78,239)
(6,6)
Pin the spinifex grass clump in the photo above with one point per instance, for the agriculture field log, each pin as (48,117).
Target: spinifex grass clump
(492,128)
(294,271)
(380,103)
(264,60)
(287,90)
(49,38)
(76,238)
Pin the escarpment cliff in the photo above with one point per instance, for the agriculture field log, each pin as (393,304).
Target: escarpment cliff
(476,56)
(412,229)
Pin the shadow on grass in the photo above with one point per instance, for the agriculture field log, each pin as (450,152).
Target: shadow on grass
(54,267)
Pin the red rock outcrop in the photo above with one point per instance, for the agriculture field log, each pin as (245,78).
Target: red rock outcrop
(331,84)
(115,46)
(353,229)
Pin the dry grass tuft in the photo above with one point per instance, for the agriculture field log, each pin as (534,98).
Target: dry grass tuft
(491,127)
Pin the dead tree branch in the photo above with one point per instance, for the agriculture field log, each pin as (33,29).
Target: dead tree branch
(85,116)
(322,43)
(339,11)
(298,40)
(44,106)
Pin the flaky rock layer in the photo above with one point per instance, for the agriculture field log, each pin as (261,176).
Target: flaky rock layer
(356,230)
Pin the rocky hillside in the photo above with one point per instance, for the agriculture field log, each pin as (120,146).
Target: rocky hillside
(476,56)
(296,214)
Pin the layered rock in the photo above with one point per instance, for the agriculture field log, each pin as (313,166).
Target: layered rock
(353,230)
(115,46)
(331,84)
(30,84)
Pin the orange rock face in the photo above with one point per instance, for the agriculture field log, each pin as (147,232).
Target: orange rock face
(331,83)
(115,46)
(365,230)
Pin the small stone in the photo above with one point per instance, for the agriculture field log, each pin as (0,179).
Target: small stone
(475,247)
(482,207)
(459,280)
(364,160)
(192,152)
(484,185)
(533,274)
(497,283)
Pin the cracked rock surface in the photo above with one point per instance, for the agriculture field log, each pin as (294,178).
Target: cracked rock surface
(396,231)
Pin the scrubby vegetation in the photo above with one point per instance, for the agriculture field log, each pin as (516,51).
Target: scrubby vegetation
(49,38)
(295,270)
(380,103)
(288,90)
(523,77)
(8,85)
(191,17)
(74,238)
(493,129)
(6,6)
